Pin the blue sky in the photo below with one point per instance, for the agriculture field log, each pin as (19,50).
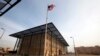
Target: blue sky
(73,18)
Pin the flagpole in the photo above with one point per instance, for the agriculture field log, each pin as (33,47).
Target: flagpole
(2,33)
(49,8)
(74,45)
(46,25)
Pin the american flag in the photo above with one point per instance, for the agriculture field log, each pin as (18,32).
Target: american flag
(50,7)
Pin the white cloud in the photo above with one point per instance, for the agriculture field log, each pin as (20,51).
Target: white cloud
(10,25)
(84,25)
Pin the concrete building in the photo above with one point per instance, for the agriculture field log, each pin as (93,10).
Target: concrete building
(33,41)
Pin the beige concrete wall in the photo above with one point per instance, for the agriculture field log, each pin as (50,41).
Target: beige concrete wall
(37,44)
(33,45)
(54,46)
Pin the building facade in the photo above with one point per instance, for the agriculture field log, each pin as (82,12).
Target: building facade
(33,41)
